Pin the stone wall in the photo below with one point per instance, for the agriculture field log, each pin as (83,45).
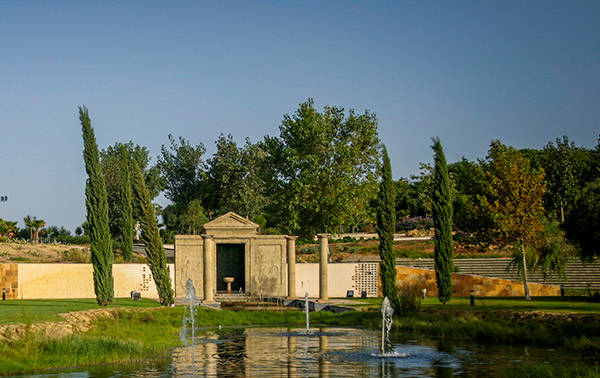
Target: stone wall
(36,281)
(9,280)
(341,278)
(464,283)
(267,268)
(30,281)
(189,263)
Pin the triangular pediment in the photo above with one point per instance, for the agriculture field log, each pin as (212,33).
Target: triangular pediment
(230,222)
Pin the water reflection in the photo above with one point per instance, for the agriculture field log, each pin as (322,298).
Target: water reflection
(326,352)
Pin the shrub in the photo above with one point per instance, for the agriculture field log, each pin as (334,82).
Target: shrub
(68,239)
(20,259)
(410,295)
(413,253)
(412,223)
(76,255)
(309,250)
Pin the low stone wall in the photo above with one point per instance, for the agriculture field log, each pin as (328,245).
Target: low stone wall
(9,280)
(340,279)
(464,283)
(38,281)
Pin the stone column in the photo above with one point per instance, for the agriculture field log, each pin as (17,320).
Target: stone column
(291,273)
(324,257)
(209,268)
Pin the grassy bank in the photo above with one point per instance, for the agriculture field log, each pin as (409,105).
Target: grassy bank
(123,337)
(578,334)
(47,310)
(136,336)
(569,304)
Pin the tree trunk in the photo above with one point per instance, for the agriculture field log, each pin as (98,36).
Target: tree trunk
(525,284)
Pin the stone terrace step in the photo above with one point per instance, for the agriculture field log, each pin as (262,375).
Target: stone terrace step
(578,275)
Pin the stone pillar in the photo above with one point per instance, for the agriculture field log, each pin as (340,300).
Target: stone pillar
(210,268)
(291,273)
(324,257)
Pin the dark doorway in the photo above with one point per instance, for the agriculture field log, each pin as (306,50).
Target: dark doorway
(231,263)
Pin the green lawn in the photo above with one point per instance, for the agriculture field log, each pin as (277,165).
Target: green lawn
(47,310)
(574,304)
(578,305)
(40,310)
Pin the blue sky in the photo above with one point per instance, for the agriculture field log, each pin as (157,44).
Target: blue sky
(523,72)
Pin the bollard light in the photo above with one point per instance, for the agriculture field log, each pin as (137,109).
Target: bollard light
(562,290)
(424,293)
(472,297)
(3,294)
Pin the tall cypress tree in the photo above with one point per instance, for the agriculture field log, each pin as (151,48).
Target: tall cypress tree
(442,221)
(386,225)
(157,261)
(96,203)
(127,226)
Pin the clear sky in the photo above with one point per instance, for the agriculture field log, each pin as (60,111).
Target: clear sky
(523,72)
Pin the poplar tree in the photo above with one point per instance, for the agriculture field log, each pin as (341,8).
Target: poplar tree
(386,225)
(442,222)
(97,214)
(126,212)
(157,261)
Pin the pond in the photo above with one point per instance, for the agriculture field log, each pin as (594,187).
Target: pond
(326,352)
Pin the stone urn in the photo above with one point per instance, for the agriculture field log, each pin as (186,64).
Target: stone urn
(228,281)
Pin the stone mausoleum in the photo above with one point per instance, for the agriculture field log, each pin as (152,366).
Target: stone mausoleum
(231,247)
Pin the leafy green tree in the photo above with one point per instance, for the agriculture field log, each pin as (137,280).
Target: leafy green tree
(234,180)
(111,168)
(561,174)
(386,225)
(36,225)
(320,173)
(97,214)
(157,261)
(582,223)
(413,198)
(442,221)
(194,217)
(55,233)
(28,225)
(8,229)
(511,204)
(126,223)
(184,170)
(186,220)
(467,179)
(422,187)
(553,255)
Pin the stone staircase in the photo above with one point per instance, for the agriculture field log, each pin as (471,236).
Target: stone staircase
(578,275)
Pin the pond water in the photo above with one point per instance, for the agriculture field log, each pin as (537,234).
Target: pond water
(326,352)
